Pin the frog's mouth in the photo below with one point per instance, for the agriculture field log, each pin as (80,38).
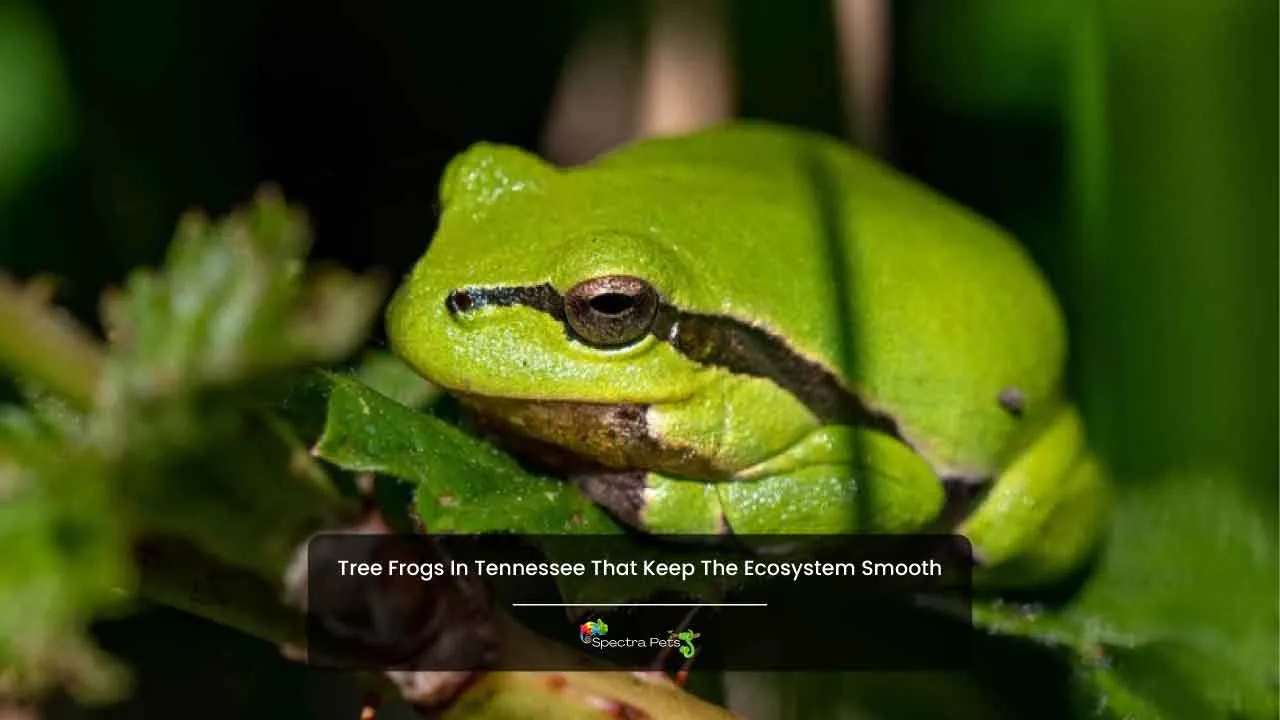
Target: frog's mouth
(607,449)
(572,437)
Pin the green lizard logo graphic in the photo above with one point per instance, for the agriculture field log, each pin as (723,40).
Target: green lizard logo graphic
(686,639)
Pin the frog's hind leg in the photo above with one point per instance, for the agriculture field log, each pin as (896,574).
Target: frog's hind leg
(1044,515)
(849,480)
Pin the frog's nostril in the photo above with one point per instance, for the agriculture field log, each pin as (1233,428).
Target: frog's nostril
(459,301)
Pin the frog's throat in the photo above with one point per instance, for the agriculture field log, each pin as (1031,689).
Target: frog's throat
(731,344)
(574,437)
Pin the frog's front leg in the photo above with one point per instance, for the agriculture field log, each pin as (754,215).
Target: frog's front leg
(656,503)
(1044,514)
(839,480)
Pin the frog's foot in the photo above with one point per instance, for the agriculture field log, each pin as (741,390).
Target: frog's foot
(1045,514)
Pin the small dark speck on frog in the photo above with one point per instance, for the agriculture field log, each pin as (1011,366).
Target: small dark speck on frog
(1013,400)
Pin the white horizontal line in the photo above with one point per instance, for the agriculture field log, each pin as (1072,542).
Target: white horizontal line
(602,605)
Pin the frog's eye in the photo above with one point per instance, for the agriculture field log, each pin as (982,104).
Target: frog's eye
(611,311)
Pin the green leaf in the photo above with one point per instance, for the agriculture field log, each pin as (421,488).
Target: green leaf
(463,484)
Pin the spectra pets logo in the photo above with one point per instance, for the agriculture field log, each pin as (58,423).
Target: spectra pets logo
(592,629)
(686,638)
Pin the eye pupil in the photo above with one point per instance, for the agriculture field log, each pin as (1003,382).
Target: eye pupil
(612,303)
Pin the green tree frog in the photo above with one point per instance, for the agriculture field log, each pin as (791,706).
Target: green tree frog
(757,329)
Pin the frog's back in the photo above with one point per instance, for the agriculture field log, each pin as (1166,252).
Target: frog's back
(924,308)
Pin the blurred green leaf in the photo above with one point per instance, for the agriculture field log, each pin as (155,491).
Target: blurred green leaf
(34,105)
(988,57)
(196,355)
(1175,160)
(45,346)
(234,303)
(1180,619)
(169,436)
(66,561)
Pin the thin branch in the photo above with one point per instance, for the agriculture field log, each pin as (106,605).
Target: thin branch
(688,81)
(14,710)
(595,102)
(865,31)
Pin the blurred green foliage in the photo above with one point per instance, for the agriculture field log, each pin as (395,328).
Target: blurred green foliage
(162,432)
(34,118)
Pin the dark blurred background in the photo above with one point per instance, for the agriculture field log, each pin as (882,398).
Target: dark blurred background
(1131,145)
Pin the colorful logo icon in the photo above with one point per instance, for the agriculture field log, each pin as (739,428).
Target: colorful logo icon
(592,628)
(686,638)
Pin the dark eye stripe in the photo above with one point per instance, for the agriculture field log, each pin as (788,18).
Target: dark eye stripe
(539,297)
(727,343)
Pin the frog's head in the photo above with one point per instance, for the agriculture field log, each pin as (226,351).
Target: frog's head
(541,287)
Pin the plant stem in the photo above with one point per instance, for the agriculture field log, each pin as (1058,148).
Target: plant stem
(176,574)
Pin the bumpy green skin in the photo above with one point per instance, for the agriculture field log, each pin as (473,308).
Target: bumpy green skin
(944,311)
